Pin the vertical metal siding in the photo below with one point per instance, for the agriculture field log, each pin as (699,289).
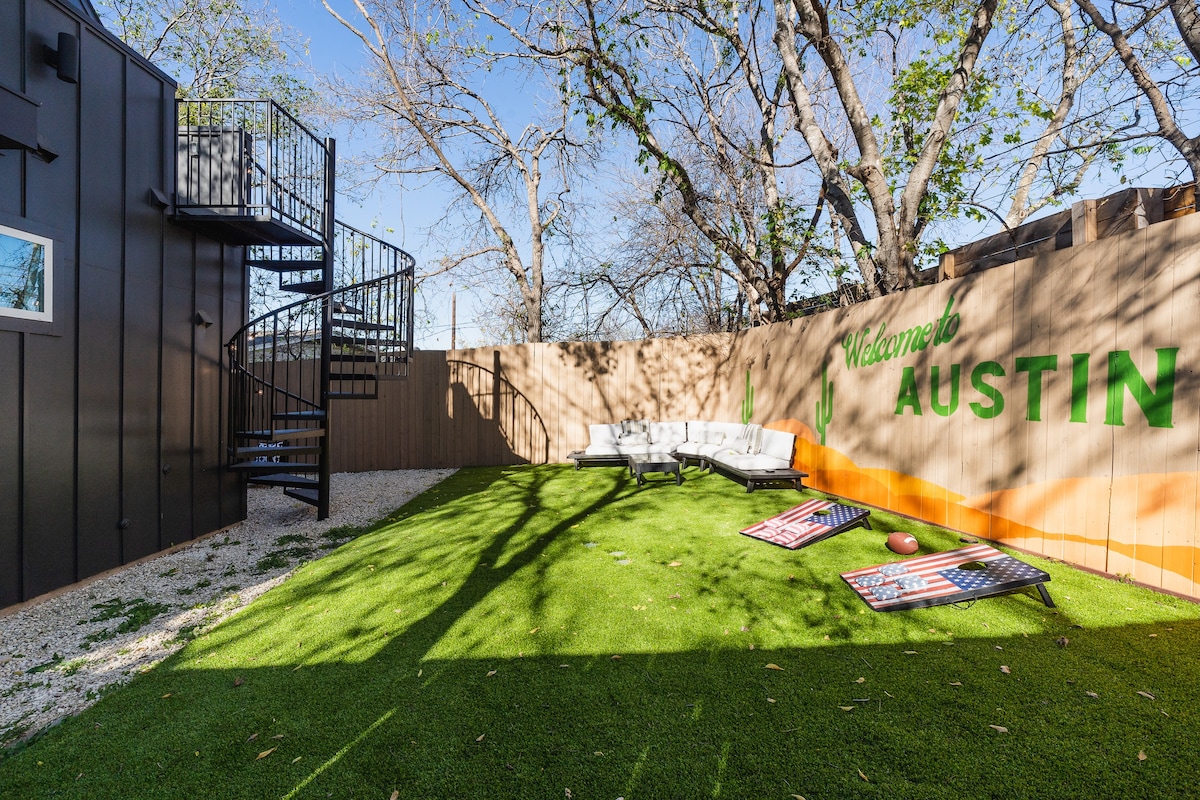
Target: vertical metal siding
(142,329)
(99,307)
(123,384)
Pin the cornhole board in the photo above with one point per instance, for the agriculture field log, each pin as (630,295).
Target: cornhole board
(939,578)
(808,523)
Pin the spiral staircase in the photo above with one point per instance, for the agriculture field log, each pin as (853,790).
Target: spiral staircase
(249,174)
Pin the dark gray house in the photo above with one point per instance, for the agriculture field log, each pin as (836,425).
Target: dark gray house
(128,225)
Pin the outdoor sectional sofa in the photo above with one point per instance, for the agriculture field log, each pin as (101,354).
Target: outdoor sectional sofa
(751,454)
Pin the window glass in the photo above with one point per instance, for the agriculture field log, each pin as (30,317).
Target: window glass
(26,267)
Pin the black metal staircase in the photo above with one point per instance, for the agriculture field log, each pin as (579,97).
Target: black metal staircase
(249,174)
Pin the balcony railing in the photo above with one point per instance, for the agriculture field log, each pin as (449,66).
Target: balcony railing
(248,173)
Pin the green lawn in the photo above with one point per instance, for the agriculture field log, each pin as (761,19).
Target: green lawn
(545,632)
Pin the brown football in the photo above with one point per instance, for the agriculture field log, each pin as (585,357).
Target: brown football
(901,543)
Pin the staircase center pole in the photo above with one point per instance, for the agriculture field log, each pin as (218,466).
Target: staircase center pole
(327,323)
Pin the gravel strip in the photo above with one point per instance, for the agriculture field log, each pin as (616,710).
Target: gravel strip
(57,657)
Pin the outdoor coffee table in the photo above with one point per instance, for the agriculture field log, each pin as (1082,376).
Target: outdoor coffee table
(641,463)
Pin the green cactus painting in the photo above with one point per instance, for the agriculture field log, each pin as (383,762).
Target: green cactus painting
(748,403)
(825,404)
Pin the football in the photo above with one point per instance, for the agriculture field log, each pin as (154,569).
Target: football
(904,544)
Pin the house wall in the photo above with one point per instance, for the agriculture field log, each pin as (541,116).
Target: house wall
(111,415)
(1054,406)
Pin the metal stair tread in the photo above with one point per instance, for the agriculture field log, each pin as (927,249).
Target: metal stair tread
(281,434)
(310,496)
(375,341)
(274,451)
(277,466)
(304,287)
(316,415)
(284,479)
(282,265)
(361,325)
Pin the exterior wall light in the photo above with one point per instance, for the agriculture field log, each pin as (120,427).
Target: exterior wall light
(65,59)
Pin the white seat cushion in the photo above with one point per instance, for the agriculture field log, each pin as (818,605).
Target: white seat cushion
(777,444)
(668,433)
(749,462)
(604,434)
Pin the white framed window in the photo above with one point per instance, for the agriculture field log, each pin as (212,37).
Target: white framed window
(26,275)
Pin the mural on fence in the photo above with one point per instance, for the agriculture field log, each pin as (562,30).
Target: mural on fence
(1050,404)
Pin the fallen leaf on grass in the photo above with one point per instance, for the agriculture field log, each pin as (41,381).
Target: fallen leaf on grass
(675,564)
(165,696)
(1005,670)
(797,797)
(535,630)
(1091,694)
(956,683)
(395,795)
(238,681)
(1146,695)
(491,672)
(846,708)
(480,737)
(1141,755)
(863,776)
(774,666)
(998,728)
(265,753)
(861,680)
(616,658)
(253,736)
(770,699)
(297,758)
(910,652)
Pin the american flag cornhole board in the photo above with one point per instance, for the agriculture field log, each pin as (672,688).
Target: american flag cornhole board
(938,579)
(808,523)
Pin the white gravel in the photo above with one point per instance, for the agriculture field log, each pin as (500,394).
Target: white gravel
(58,656)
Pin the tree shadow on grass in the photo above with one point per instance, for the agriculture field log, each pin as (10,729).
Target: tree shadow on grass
(466,648)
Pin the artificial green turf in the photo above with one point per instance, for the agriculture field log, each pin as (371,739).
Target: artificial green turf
(488,641)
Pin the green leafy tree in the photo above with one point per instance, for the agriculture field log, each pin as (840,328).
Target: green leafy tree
(216,48)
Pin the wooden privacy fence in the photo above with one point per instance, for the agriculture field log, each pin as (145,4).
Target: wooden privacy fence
(1052,403)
